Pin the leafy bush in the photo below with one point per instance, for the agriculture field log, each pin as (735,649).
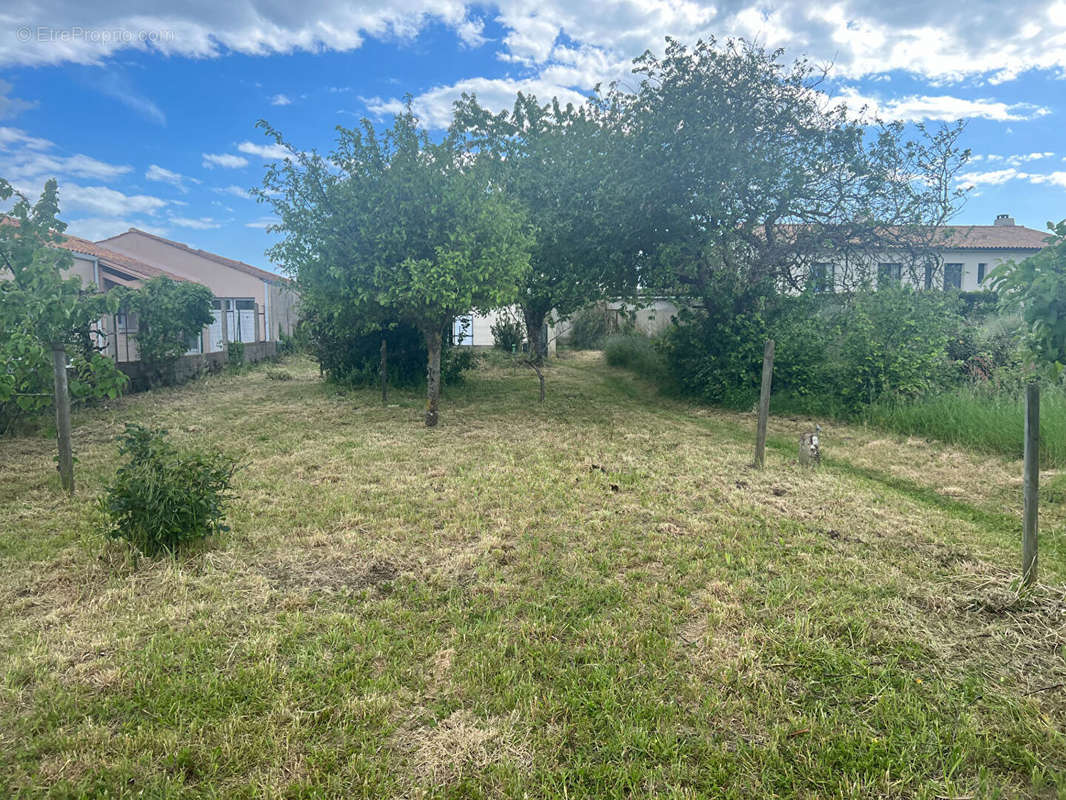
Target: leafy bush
(834,354)
(508,334)
(163,496)
(27,380)
(169,314)
(235,355)
(1037,288)
(637,353)
(278,375)
(355,359)
(590,327)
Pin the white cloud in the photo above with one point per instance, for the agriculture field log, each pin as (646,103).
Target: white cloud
(274,152)
(106,202)
(236,191)
(1000,176)
(262,222)
(1012,160)
(916,108)
(176,179)
(936,40)
(12,106)
(29,159)
(18,137)
(434,107)
(97,228)
(225,160)
(471,32)
(1054,178)
(200,224)
(280,100)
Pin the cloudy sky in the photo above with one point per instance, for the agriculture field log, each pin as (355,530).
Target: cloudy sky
(145,110)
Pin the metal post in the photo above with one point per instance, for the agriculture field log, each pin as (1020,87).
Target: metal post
(764,403)
(62,398)
(1030,515)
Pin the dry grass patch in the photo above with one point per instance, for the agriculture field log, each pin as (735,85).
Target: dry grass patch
(596,596)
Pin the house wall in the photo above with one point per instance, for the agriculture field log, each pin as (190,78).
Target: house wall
(482,327)
(83,267)
(224,281)
(282,310)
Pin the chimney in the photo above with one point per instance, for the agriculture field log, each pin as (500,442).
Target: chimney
(1004,219)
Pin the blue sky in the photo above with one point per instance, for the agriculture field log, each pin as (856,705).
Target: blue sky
(145,111)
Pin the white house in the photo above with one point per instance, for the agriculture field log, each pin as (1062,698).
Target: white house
(968,254)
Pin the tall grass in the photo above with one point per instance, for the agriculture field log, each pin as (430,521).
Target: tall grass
(638,353)
(985,421)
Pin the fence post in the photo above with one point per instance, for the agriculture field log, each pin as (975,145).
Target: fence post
(764,403)
(1030,516)
(384,372)
(62,393)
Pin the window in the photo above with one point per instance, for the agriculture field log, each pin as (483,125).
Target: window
(928,276)
(463,330)
(953,276)
(889,274)
(126,322)
(822,277)
(981,269)
(193,345)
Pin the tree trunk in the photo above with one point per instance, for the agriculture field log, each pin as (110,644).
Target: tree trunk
(384,372)
(62,398)
(538,350)
(433,345)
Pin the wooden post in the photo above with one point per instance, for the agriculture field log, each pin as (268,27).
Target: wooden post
(764,403)
(1030,516)
(384,371)
(62,398)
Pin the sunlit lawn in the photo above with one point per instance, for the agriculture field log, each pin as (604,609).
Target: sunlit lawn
(596,596)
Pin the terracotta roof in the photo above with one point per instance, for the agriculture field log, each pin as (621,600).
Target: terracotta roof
(994,237)
(111,258)
(228,262)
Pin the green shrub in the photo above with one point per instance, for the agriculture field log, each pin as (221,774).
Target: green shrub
(454,362)
(235,355)
(163,496)
(169,314)
(508,334)
(278,375)
(354,360)
(637,353)
(834,354)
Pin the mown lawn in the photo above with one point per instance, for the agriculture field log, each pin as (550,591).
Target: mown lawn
(596,596)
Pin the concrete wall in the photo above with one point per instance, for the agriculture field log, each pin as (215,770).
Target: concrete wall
(282,310)
(189,367)
(481,327)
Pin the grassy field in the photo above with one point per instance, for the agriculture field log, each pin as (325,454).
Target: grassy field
(596,596)
(980,420)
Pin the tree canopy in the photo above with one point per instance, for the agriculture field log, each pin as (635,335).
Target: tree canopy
(1037,288)
(743,175)
(556,161)
(40,310)
(396,226)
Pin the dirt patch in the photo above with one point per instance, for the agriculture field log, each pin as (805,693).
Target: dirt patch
(330,574)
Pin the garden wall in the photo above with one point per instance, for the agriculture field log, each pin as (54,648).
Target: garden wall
(189,367)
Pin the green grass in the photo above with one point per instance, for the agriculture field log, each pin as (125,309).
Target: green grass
(637,353)
(596,596)
(992,423)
